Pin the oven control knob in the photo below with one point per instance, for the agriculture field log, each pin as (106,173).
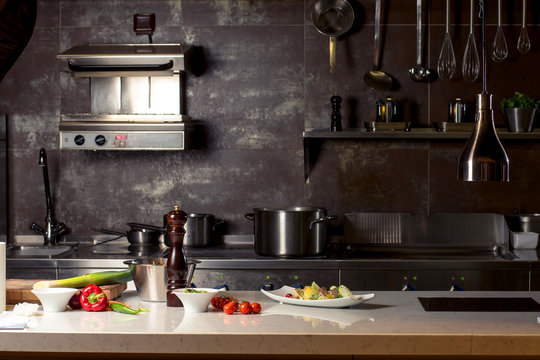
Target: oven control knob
(79,140)
(100,140)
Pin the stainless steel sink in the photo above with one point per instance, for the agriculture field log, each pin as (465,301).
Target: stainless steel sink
(38,251)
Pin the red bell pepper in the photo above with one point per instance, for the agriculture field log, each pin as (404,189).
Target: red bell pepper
(93,298)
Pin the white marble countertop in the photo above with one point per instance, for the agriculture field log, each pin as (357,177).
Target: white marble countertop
(392,323)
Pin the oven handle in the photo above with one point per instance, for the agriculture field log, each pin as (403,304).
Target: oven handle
(141,67)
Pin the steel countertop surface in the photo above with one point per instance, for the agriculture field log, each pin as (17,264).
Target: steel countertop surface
(240,254)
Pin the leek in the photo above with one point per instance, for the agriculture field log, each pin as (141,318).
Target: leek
(97,278)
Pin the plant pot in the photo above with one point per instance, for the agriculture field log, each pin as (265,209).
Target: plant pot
(520,119)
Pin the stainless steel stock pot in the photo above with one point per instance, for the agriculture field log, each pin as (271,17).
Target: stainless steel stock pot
(290,232)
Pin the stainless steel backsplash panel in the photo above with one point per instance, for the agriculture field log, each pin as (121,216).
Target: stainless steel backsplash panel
(135,95)
(105,95)
(460,230)
(375,228)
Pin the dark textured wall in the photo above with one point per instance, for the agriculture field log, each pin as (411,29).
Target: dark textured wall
(267,80)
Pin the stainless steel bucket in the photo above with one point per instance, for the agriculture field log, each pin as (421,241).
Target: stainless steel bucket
(150,277)
(290,232)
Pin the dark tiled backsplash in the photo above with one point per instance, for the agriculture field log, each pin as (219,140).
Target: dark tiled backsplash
(267,80)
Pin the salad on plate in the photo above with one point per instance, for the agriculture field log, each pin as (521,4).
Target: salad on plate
(317,296)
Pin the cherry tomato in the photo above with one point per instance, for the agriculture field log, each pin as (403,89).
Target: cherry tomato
(219,302)
(230,307)
(255,308)
(288,295)
(216,301)
(245,308)
(225,300)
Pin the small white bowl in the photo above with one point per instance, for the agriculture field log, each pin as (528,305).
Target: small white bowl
(54,299)
(196,302)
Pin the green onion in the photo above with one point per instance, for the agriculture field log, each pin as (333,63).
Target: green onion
(97,278)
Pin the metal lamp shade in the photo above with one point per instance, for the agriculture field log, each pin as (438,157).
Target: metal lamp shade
(484,158)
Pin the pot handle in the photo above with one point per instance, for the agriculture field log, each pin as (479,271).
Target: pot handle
(324,218)
(216,223)
(137,226)
(250,216)
(110,232)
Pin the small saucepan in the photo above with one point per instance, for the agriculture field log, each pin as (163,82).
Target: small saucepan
(332,18)
(201,230)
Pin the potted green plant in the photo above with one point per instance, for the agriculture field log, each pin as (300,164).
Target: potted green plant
(520,112)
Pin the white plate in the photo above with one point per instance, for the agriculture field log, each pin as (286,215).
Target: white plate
(280,295)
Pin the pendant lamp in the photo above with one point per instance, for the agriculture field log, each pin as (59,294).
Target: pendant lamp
(484,158)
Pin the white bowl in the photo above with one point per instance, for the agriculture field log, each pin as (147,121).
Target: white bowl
(196,302)
(54,299)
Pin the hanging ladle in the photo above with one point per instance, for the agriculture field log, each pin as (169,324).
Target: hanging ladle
(419,73)
(376,78)
(332,18)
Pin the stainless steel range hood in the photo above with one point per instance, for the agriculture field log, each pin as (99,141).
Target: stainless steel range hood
(136,97)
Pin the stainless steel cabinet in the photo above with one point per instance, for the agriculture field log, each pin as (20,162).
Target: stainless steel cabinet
(535,280)
(255,279)
(436,280)
(31,273)
(359,276)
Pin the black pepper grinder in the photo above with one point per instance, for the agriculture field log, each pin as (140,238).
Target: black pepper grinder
(177,268)
(335,124)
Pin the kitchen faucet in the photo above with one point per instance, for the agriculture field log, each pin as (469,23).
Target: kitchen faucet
(52,228)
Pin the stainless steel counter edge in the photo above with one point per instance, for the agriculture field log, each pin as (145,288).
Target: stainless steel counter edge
(275,263)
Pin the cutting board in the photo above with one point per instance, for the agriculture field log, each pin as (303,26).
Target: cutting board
(19,290)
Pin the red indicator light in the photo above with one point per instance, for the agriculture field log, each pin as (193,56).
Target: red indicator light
(120,137)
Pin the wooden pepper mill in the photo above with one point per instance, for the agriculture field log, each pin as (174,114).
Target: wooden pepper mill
(177,268)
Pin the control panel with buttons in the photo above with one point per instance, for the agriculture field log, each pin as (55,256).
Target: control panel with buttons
(128,140)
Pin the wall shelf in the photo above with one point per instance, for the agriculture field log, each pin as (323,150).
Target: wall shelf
(413,134)
(313,138)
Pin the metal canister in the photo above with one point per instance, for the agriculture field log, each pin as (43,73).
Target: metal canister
(388,110)
(458,110)
(380,114)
